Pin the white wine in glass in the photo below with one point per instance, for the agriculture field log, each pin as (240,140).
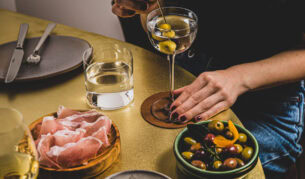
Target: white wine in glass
(18,155)
(171,30)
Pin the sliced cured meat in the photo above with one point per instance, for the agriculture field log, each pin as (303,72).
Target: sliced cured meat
(65,136)
(101,134)
(102,121)
(75,120)
(50,125)
(73,154)
(63,112)
(72,139)
(44,145)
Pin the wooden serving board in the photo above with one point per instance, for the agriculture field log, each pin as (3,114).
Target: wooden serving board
(94,167)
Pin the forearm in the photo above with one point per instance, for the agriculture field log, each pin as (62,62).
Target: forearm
(285,67)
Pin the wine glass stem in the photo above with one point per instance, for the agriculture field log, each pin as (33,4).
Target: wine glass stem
(171,60)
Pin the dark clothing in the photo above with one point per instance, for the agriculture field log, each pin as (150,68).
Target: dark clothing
(233,32)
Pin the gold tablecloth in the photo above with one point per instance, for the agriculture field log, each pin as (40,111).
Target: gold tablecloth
(143,146)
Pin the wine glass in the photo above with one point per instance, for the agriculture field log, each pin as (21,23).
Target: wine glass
(18,155)
(171,30)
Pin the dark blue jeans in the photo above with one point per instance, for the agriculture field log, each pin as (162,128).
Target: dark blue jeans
(277,122)
(274,116)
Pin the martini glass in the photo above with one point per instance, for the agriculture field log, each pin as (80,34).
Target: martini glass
(171,30)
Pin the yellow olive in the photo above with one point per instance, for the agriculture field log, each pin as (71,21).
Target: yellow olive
(169,34)
(216,126)
(187,155)
(240,163)
(239,148)
(165,27)
(217,164)
(242,138)
(247,153)
(189,140)
(167,47)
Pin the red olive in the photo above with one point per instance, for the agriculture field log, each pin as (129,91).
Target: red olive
(230,163)
(209,138)
(195,147)
(199,164)
(200,154)
(230,150)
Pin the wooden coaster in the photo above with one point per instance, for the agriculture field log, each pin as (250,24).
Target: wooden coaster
(146,111)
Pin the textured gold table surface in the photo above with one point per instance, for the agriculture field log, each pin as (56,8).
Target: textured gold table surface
(143,146)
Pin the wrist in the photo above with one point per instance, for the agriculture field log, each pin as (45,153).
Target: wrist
(240,79)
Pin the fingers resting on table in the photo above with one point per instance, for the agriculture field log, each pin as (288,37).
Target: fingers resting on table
(209,94)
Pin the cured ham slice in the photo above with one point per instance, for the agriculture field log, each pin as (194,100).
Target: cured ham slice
(75,120)
(101,134)
(65,136)
(71,139)
(102,121)
(50,125)
(45,142)
(73,154)
(63,112)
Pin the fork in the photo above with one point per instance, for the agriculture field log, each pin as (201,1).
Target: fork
(35,57)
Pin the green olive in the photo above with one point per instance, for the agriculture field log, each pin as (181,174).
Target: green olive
(239,148)
(242,138)
(218,150)
(169,34)
(216,126)
(230,163)
(217,164)
(247,153)
(199,164)
(195,147)
(165,27)
(240,163)
(167,47)
(187,155)
(190,140)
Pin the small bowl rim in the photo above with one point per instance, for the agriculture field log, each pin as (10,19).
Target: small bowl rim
(184,162)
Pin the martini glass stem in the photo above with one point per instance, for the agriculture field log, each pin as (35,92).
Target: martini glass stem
(171,60)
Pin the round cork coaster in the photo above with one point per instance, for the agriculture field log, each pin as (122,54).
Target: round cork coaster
(163,122)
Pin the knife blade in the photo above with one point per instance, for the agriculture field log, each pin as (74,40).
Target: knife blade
(17,56)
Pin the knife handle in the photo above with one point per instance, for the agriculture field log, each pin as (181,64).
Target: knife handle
(22,33)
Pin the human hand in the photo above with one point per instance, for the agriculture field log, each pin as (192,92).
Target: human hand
(129,8)
(209,94)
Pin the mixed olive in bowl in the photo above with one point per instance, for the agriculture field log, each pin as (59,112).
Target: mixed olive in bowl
(215,149)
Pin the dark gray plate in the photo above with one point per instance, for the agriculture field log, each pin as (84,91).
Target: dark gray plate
(138,174)
(59,54)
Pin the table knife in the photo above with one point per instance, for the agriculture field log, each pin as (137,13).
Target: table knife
(17,56)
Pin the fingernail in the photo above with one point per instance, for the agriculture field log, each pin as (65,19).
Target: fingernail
(176,96)
(183,118)
(173,108)
(198,118)
(175,115)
